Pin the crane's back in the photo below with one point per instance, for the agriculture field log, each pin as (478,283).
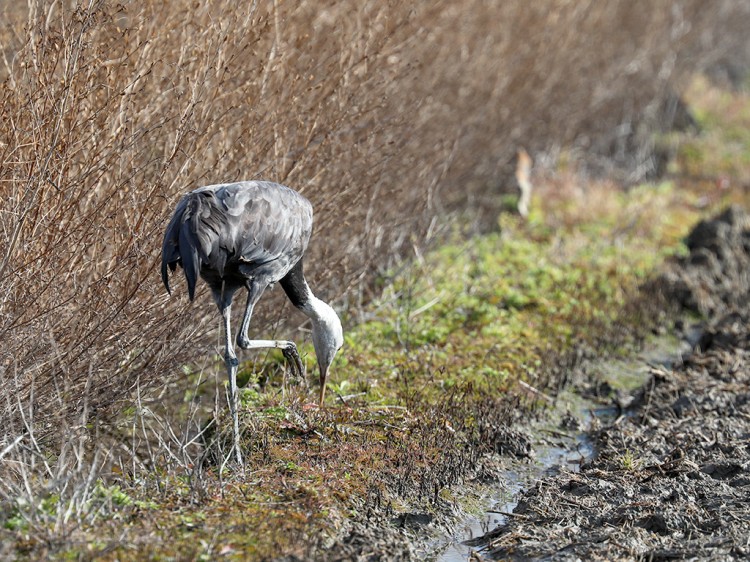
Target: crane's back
(229,233)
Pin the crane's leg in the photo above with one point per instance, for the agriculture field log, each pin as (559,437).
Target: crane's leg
(224,301)
(254,291)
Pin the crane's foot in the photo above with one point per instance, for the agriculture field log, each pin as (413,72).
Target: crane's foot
(295,363)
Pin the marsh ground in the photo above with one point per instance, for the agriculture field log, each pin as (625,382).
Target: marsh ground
(670,478)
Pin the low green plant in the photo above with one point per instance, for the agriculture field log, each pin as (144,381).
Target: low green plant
(628,461)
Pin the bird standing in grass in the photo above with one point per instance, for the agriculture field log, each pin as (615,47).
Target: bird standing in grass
(250,234)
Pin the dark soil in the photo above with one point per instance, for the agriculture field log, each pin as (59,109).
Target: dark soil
(671,478)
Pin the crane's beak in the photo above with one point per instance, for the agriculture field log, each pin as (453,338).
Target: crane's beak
(323,377)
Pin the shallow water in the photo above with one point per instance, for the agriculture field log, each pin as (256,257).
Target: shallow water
(554,450)
(549,457)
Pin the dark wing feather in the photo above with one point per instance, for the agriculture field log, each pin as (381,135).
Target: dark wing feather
(191,256)
(181,245)
(170,249)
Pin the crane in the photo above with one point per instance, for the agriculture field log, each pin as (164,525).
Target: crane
(250,234)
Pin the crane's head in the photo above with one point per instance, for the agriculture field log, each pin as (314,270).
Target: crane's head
(328,337)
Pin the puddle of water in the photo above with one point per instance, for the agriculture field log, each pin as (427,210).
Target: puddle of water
(560,450)
(456,550)
(548,458)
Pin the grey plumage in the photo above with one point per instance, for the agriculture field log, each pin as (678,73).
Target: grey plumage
(250,234)
(248,230)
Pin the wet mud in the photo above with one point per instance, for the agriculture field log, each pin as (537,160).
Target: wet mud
(671,476)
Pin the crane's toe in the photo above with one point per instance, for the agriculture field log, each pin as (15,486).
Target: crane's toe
(295,363)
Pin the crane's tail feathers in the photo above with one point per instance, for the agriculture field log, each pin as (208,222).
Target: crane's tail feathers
(190,257)
(165,276)
(182,244)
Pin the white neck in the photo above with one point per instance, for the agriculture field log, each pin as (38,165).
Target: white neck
(327,334)
(326,323)
(319,311)
(314,308)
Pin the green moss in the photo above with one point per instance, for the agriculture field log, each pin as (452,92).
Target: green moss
(14,521)
(484,308)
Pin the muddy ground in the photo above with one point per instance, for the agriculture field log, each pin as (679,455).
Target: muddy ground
(671,477)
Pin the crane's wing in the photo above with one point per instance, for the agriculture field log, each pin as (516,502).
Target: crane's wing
(271,227)
(170,248)
(261,228)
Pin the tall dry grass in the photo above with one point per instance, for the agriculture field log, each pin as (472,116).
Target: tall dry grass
(389,116)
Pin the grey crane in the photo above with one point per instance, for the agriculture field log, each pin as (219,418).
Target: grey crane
(250,234)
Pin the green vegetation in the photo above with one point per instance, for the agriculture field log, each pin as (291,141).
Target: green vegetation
(628,461)
(721,153)
(482,312)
